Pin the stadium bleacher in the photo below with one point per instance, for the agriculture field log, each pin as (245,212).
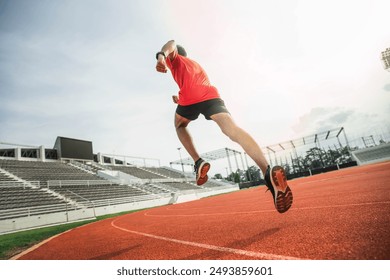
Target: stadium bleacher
(138,172)
(44,171)
(374,154)
(32,187)
(170,173)
(41,186)
(4,178)
(19,196)
(80,193)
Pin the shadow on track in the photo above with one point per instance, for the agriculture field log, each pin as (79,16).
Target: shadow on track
(239,244)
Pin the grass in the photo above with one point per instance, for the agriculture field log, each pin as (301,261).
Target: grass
(14,243)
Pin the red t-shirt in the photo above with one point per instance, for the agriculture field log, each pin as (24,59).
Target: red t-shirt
(192,80)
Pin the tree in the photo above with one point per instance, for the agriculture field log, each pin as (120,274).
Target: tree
(237,177)
(287,168)
(345,155)
(319,158)
(234,177)
(314,158)
(298,164)
(253,174)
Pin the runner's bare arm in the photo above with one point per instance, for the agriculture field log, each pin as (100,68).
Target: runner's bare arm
(168,50)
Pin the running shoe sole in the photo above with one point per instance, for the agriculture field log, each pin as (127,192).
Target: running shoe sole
(202,181)
(283,194)
(202,173)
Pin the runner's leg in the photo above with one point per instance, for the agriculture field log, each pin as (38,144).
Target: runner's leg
(240,136)
(275,178)
(185,138)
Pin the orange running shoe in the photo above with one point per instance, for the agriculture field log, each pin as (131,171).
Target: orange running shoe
(276,182)
(201,168)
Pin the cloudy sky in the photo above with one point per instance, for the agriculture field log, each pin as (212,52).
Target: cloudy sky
(85,69)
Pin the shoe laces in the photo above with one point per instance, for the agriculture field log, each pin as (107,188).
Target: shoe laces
(196,166)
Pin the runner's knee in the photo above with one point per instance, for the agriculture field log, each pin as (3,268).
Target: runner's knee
(181,123)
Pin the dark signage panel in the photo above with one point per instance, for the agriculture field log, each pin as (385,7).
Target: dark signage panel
(73,148)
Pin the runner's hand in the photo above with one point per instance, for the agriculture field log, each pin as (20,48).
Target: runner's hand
(175,99)
(161,65)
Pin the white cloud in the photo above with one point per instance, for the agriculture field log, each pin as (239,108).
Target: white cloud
(355,123)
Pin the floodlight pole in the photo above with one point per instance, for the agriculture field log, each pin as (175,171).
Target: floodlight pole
(247,166)
(228,157)
(346,140)
(235,158)
(246,161)
(181,161)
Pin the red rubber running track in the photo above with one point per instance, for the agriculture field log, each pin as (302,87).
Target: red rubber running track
(337,215)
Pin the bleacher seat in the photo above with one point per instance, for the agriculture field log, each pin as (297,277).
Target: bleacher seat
(374,154)
(71,184)
(137,172)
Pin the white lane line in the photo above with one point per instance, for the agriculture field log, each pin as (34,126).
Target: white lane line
(267,211)
(210,247)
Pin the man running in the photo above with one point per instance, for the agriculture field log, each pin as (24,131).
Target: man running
(197,96)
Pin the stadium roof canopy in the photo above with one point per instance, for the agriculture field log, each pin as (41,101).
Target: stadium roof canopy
(213,155)
(314,139)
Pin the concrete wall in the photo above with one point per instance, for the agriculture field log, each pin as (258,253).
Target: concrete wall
(195,196)
(37,221)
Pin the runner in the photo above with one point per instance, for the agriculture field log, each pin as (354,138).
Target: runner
(197,96)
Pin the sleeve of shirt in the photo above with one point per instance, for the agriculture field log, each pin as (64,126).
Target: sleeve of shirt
(171,63)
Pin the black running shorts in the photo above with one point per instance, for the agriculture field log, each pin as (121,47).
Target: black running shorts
(206,108)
